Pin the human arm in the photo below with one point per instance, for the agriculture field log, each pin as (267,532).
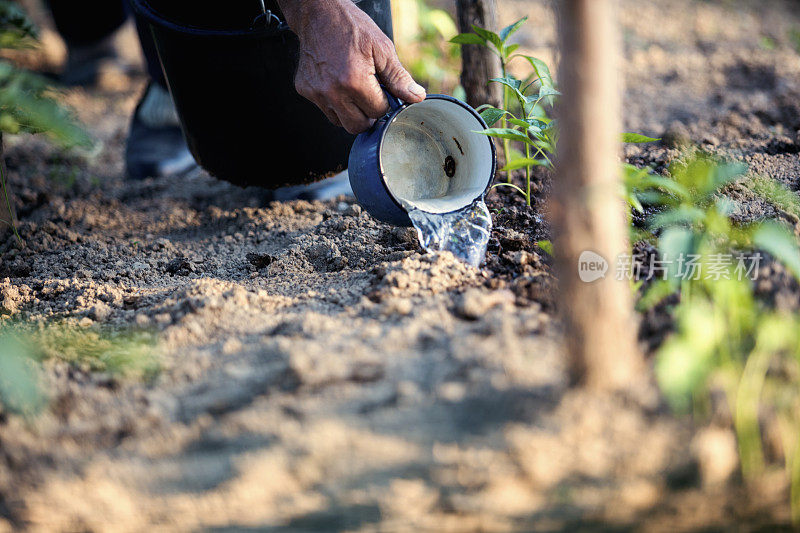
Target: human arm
(344,58)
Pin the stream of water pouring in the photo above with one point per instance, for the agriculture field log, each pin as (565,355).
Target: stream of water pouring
(464,233)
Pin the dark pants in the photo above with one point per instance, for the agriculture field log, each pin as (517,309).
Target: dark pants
(105,17)
(233,90)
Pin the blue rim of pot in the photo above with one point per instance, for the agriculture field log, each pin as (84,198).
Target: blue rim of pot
(396,112)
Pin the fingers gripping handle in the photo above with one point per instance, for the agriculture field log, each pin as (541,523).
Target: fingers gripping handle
(394,102)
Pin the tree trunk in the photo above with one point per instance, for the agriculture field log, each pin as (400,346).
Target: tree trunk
(478,64)
(7,215)
(587,211)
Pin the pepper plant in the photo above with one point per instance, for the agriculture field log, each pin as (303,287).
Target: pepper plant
(524,116)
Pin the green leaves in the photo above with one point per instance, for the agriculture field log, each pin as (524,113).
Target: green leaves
(28,106)
(533,128)
(510,82)
(684,362)
(781,244)
(524,162)
(488,36)
(682,215)
(490,115)
(543,75)
(506,133)
(484,37)
(509,30)
(525,124)
(637,138)
(468,38)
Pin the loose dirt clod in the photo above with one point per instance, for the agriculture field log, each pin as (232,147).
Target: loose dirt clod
(260,260)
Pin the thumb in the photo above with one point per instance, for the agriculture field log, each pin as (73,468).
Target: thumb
(397,79)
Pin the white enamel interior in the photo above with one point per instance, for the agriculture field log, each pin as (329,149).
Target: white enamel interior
(414,150)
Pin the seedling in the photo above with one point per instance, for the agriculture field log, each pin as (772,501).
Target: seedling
(546,247)
(530,126)
(523,117)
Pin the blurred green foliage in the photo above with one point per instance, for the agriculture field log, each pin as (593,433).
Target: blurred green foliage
(123,353)
(27,102)
(27,105)
(421,33)
(725,337)
(794,38)
(16,29)
(19,388)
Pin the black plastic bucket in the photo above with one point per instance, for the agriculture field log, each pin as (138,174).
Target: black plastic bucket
(233,87)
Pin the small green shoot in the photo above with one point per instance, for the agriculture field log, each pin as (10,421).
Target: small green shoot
(546,247)
(637,138)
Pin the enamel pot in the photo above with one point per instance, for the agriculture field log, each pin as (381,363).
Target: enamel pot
(423,156)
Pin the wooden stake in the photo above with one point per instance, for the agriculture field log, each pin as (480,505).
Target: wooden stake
(587,210)
(478,64)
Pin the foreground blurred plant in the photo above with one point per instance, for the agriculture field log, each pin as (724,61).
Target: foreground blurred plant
(19,389)
(724,337)
(27,103)
(794,38)
(125,354)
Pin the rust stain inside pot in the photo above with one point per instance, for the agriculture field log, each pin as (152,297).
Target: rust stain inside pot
(449,166)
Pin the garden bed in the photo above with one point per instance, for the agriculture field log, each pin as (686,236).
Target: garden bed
(315,369)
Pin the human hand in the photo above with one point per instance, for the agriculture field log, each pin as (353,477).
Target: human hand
(344,57)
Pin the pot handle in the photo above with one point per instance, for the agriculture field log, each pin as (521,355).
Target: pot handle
(394,102)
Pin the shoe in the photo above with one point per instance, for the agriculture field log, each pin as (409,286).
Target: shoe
(86,62)
(156,147)
(322,190)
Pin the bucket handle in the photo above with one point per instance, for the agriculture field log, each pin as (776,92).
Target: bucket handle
(267,18)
